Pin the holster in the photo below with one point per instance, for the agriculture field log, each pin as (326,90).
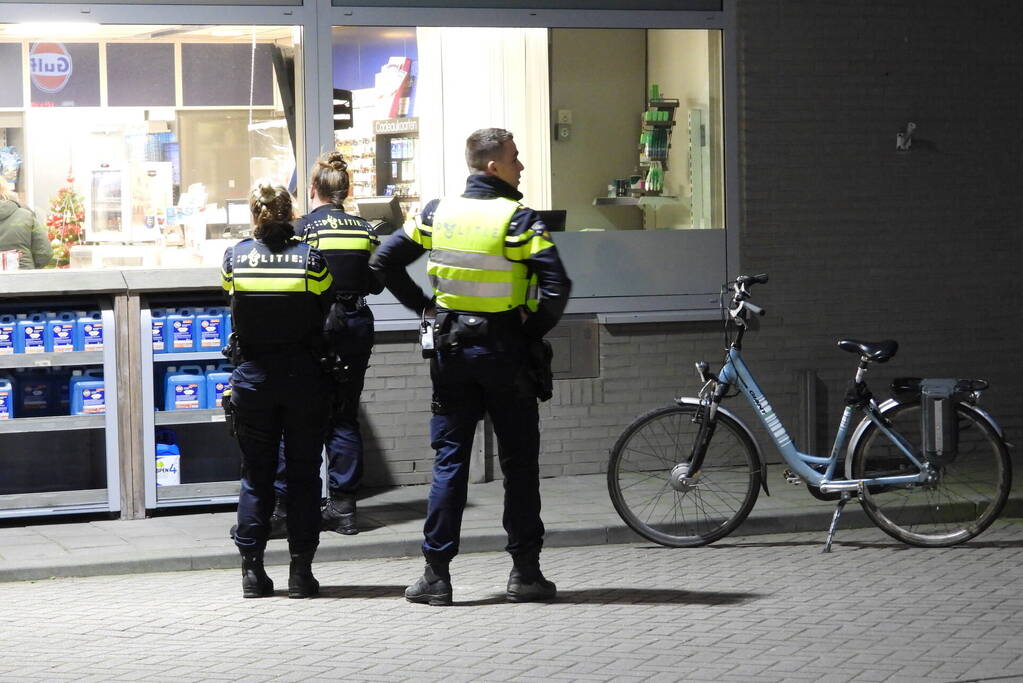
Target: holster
(233,350)
(228,407)
(540,356)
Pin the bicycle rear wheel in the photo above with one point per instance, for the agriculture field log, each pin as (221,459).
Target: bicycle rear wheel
(966,494)
(692,512)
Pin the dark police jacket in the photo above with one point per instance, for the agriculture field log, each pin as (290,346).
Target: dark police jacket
(347,243)
(278,298)
(398,251)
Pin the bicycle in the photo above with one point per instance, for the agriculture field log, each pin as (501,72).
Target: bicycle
(929,467)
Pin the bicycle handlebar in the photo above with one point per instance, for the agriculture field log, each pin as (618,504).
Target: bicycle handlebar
(741,295)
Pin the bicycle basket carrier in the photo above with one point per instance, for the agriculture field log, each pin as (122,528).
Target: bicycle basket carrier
(939,427)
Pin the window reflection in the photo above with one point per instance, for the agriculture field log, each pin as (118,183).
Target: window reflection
(155,128)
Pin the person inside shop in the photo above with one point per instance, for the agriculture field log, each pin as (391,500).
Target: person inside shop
(280,291)
(20,230)
(498,287)
(347,242)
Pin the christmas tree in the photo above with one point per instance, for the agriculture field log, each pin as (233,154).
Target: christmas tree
(64,222)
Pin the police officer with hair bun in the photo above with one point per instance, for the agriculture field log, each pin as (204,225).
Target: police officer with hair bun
(280,291)
(346,242)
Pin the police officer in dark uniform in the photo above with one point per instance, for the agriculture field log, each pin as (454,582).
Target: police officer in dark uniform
(346,242)
(499,286)
(280,291)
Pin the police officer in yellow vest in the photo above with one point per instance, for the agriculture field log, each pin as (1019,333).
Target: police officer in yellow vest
(499,286)
(280,291)
(346,242)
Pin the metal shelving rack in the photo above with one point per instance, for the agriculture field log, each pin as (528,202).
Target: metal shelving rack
(58,502)
(201,493)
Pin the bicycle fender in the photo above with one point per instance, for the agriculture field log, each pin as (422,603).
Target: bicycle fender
(757,453)
(887,406)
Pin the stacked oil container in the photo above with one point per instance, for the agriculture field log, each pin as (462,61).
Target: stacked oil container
(183,330)
(42,392)
(190,386)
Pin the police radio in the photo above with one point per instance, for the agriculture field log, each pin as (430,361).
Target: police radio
(427,325)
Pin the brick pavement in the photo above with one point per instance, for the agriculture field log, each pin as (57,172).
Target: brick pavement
(576,511)
(769,608)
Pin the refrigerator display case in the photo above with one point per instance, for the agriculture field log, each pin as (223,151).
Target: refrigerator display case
(129,203)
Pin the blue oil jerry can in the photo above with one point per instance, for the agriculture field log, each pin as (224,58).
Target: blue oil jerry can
(88,393)
(89,332)
(217,380)
(34,393)
(168,458)
(209,329)
(185,389)
(60,333)
(9,335)
(159,323)
(6,398)
(32,333)
(180,333)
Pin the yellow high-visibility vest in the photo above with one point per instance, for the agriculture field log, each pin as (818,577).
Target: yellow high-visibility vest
(471,267)
(256,269)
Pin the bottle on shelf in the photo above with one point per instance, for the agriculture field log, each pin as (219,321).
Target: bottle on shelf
(89,332)
(6,398)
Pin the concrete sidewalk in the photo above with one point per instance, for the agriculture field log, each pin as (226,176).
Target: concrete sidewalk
(576,511)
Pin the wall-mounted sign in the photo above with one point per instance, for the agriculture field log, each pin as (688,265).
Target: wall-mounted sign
(51,66)
(64,74)
(391,126)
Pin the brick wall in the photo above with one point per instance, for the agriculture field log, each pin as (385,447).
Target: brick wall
(860,241)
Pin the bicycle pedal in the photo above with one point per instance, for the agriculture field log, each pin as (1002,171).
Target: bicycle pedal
(792,478)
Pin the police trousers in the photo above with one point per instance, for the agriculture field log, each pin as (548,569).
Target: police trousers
(280,402)
(469,381)
(351,334)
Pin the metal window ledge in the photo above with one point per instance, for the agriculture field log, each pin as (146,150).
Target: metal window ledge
(658,316)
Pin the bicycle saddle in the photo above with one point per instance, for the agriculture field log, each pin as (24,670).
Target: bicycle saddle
(879,352)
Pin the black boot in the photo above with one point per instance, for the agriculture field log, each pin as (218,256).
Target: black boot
(279,518)
(255,582)
(526,582)
(301,582)
(432,588)
(338,514)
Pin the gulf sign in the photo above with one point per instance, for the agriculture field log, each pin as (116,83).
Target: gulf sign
(50,66)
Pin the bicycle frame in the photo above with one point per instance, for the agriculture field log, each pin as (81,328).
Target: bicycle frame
(735,372)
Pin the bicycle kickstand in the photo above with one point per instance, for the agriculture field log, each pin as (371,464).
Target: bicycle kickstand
(834,520)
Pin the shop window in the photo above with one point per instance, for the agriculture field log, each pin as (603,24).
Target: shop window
(135,140)
(619,139)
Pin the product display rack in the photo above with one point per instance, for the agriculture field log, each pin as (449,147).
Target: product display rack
(41,456)
(203,436)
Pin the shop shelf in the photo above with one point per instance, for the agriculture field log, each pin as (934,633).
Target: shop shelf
(208,492)
(57,423)
(53,502)
(189,417)
(46,360)
(186,356)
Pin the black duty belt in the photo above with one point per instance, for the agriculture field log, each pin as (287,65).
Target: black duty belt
(351,302)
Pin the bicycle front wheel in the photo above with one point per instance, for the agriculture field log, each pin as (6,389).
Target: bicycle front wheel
(963,497)
(685,512)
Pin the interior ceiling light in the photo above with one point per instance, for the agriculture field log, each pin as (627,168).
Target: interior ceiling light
(228,32)
(51,30)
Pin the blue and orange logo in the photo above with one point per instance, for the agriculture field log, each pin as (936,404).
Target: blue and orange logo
(50,66)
